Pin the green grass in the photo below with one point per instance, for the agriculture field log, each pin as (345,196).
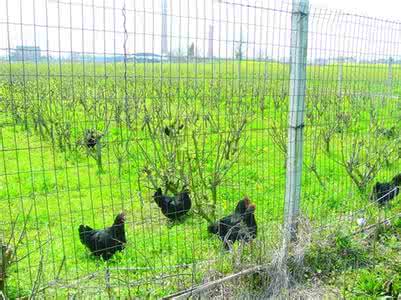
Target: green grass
(64,188)
(362,266)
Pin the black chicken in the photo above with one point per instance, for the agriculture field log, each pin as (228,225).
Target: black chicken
(167,131)
(383,192)
(241,225)
(92,138)
(104,242)
(251,228)
(173,207)
(171,130)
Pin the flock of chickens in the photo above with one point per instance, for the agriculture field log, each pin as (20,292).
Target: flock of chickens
(239,226)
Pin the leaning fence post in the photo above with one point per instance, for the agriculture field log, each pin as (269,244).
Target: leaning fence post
(299,39)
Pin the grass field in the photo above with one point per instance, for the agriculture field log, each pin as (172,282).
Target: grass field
(50,183)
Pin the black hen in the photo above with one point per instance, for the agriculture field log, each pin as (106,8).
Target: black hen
(104,242)
(241,225)
(383,192)
(172,130)
(92,137)
(251,228)
(173,207)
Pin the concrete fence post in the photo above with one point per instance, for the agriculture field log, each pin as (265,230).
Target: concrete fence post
(299,43)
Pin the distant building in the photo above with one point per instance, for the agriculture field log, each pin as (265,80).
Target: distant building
(210,45)
(76,56)
(345,59)
(147,57)
(26,53)
(81,57)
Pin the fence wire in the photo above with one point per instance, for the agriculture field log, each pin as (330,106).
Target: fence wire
(102,102)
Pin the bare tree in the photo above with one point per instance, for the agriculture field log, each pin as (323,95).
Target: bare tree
(363,156)
(191,51)
(239,48)
(187,146)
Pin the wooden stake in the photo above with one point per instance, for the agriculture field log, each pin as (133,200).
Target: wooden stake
(3,268)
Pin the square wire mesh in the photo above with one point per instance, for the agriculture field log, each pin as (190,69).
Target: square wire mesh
(102,102)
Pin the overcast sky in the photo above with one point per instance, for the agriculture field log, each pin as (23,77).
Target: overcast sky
(97,27)
(383,8)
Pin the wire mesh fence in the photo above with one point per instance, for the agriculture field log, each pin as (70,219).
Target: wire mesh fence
(105,102)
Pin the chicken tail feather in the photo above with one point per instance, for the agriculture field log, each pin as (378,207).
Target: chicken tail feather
(84,233)
(213,228)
